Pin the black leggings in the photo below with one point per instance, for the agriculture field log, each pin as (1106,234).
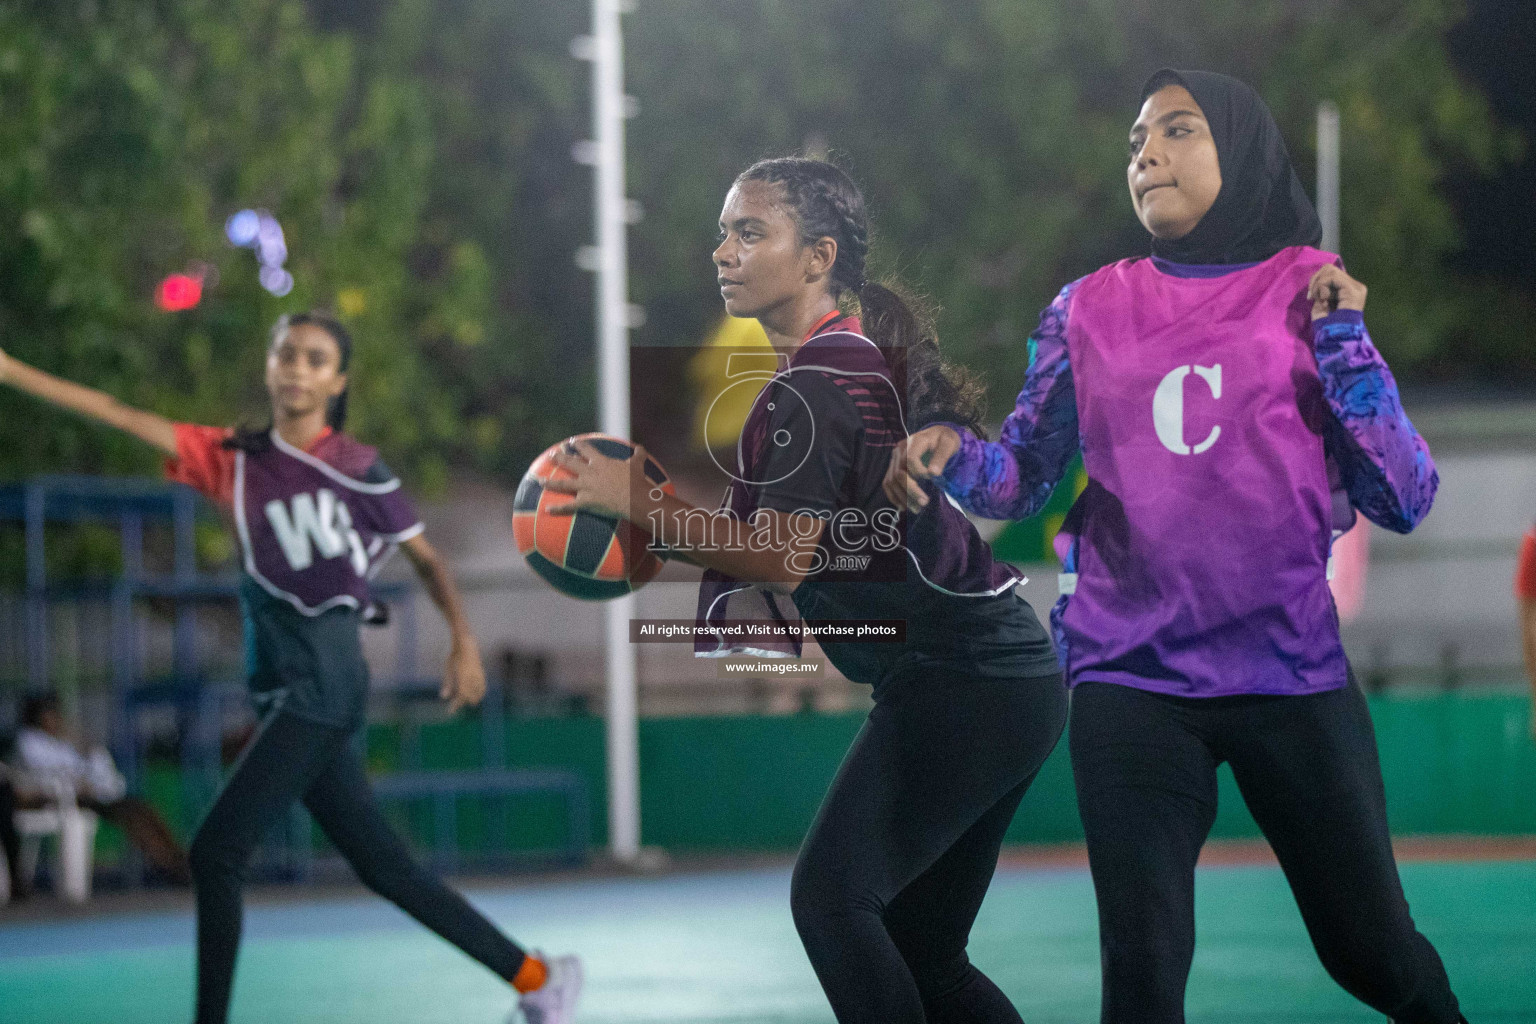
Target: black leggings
(896,865)
(1145,767)
(293,758)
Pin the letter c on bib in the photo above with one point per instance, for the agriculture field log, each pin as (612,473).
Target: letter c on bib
(1168,408)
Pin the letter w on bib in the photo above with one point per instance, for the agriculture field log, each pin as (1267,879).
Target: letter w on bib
(316,521)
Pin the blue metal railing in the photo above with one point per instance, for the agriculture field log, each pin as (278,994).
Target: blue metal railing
(199,696)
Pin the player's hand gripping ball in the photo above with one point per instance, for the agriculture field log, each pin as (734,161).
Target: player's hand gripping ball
(591,553)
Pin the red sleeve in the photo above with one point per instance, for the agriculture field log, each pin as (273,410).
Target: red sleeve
(203,462)
(1525,574)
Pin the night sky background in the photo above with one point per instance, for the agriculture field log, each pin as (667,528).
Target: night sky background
(1496,49)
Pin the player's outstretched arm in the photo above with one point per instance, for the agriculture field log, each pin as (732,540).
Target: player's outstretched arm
(148,427)
(920,457)
(1014,476)
(464,675)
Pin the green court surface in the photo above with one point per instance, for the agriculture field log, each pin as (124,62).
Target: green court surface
(719,948)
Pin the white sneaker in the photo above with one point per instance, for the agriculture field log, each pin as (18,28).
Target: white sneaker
(554,1002)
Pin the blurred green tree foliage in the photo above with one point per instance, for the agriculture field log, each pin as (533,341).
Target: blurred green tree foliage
(990,138)
(417,153)
(129,133)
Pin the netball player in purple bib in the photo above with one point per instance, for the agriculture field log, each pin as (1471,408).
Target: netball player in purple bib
(967,708)
(316,514)
(1233,416)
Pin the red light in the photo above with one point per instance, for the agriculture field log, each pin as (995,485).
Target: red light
(179,291)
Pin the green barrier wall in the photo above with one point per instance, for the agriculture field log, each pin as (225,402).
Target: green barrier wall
(1453,764)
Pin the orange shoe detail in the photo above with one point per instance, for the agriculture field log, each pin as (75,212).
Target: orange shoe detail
(531,975)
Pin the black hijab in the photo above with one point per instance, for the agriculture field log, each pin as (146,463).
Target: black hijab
(1261,207)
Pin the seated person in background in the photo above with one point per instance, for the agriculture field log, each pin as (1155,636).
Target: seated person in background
(10,839)
(45,751)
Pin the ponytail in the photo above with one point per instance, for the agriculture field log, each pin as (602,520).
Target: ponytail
(827,204)
(936,391)
(336,414)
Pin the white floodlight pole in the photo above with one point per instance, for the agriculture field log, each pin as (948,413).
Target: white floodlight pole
(615,316)
(1328,173)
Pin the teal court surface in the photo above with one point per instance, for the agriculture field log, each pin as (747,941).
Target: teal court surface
(719,948)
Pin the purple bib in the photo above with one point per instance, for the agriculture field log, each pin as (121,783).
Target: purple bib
(315,527)
(1200,546)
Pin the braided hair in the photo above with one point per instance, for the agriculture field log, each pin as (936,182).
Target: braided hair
(827,204)
(252,440)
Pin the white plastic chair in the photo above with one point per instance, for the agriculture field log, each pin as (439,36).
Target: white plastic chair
(75,829)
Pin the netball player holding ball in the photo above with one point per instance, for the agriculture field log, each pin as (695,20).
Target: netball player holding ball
(1233,415)
(316,513)
(967,707)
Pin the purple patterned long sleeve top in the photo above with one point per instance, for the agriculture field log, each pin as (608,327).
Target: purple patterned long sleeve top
(1384,465)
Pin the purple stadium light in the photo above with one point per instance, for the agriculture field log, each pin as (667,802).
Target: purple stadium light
(271,248)
(259,231)
(275,280)
(241,228)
